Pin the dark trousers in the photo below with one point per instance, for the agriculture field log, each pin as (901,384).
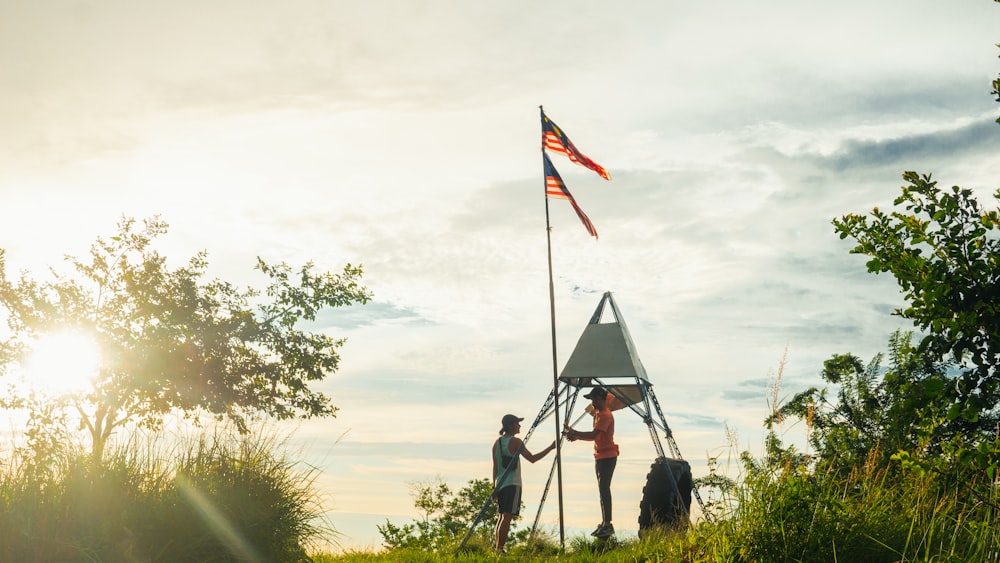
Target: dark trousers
(605,469)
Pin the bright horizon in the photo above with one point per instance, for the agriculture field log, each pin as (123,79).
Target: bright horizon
(405,137)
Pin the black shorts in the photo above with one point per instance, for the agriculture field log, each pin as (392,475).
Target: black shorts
(509,500)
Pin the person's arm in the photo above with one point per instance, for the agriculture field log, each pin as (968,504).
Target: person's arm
(514,444)
(600,425)
(577,435)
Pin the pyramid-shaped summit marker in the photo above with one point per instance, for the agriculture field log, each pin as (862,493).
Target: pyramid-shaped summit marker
(605,352)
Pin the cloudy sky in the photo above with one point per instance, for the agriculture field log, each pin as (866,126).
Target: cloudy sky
(404,136)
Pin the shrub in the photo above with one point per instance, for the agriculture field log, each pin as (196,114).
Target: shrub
(221,498)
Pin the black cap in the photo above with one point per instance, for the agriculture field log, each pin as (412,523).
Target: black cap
(599,392)
(509,419)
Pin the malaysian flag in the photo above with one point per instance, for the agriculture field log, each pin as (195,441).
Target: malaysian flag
(556,189)
(555,140)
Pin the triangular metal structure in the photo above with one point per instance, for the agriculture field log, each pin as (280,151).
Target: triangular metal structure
(605,356)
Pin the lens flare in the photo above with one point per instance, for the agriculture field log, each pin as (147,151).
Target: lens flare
(62,362)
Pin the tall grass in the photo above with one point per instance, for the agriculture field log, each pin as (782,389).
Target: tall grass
(787,513)
(875,513)
(219,497)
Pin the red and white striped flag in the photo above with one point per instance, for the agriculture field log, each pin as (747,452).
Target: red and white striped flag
(556,189)
(555,140)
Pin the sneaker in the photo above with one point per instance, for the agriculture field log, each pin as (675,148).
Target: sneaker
(597,530)
(605,531)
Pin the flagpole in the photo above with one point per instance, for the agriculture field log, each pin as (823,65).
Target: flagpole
(555,366)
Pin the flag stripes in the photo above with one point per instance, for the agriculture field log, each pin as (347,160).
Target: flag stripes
(555,140)
(555,188)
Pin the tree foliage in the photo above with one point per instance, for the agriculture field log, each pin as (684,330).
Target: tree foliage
(878,408)
(907,462)
(173,340)
(944,251)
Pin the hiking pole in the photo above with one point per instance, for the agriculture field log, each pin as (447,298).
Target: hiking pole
(552,471)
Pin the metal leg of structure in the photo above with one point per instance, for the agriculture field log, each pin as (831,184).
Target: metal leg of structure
(570,403)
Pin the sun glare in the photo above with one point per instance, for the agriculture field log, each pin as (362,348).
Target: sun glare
(62,362)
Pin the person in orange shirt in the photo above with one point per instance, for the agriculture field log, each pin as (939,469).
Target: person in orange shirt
(605,454)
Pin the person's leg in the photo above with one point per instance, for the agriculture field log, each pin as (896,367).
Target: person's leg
(597,472)
(503,529)
(496,529)
(605,471)
(508,499)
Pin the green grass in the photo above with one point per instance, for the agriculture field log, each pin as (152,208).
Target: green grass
(217,498)
(578,548)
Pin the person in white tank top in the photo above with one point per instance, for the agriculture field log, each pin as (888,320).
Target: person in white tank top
(507,474)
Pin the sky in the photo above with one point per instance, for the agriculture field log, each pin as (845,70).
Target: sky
(405,137)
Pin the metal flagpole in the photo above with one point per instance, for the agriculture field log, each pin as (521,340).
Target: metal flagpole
(555,367)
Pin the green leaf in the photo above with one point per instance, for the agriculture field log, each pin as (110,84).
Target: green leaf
(933,387)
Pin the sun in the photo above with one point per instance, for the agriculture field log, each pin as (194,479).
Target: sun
(62,362)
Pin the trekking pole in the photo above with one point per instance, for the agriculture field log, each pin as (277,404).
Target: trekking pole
(552,471)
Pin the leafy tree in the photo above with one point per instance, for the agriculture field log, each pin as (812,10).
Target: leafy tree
(447,517)
(878,409)
(944,251)
(172,340)
(462,510)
